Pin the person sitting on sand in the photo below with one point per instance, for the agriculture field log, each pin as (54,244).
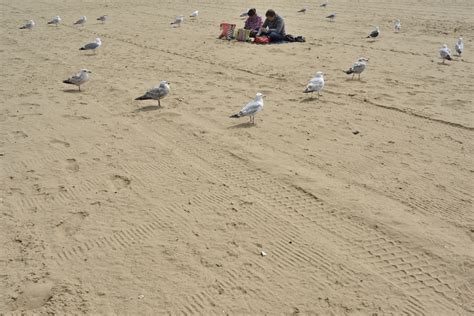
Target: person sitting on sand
(273,27)
(253,23)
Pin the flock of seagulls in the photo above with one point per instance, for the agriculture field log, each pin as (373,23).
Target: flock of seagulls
(315,85)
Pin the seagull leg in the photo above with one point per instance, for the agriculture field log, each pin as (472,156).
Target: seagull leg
(159,103)
(353,76)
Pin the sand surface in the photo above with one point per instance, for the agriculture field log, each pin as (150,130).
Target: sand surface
(112,206)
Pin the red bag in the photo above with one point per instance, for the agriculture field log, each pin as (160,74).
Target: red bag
(262,40)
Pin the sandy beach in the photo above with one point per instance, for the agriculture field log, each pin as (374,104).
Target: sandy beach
(361,199)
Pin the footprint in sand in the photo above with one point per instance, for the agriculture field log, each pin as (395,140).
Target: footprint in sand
(34,295)
(60,142)
(71,225)
(120,182)
(72,165)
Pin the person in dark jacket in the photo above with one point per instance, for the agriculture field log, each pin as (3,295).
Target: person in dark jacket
(273,27)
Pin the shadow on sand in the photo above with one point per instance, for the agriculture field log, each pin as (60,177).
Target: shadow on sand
(147,108)
(242,125)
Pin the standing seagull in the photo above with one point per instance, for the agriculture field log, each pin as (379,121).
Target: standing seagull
(445,53)
(92,46)
(358,67)
(397,25)
(157,92)
(179,19)
(459,46)
(316,84)
(194,14)
(375,33)
(102,18)
(79,78)
(82,20)
(252,108)
(28,25)
(331,17)
(55,20)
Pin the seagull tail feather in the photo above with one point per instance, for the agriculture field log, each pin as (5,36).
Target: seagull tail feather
(350,71)
(68,81)
(236,115)
(143,97)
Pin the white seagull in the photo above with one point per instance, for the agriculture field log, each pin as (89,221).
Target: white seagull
(252,108)
(157,92)
(82,20)
(179,19)
(102,18)
(28,25)
(55,20)
(397,25)
(92,46)
(194,14)
(375,33)
(331,17)
(459,46)
(316,84)
(79,78)
(358,67)
(445,53)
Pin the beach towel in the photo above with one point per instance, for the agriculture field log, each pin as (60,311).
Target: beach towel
(227,31)
(262,40)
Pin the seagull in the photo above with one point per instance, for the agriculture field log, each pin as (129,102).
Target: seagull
(179,19)
(316,84)
(81,21)
(459,46)
(102,18)
(92,46)
(323,5)
(194,14)
(375,33)
(397,25)
(331,17)
(445,53)
(302,10)
(79,78)
(252,108)
(55,20)
(358,67)
(157,92)
(28,25)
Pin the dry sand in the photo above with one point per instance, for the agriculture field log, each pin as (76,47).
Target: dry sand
(112,206)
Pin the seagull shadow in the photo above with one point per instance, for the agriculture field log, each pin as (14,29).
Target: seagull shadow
(242,125)
(355,80)
(309,99)
(443,64)
(147,108)
(72,90)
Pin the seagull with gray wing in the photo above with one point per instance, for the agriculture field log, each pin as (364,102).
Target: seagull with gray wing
(358,67)
(316,84)
(251,109)
(28,25)
(79,78)
(92,46)
(157,92)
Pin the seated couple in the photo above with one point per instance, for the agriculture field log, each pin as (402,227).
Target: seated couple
(273,27)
